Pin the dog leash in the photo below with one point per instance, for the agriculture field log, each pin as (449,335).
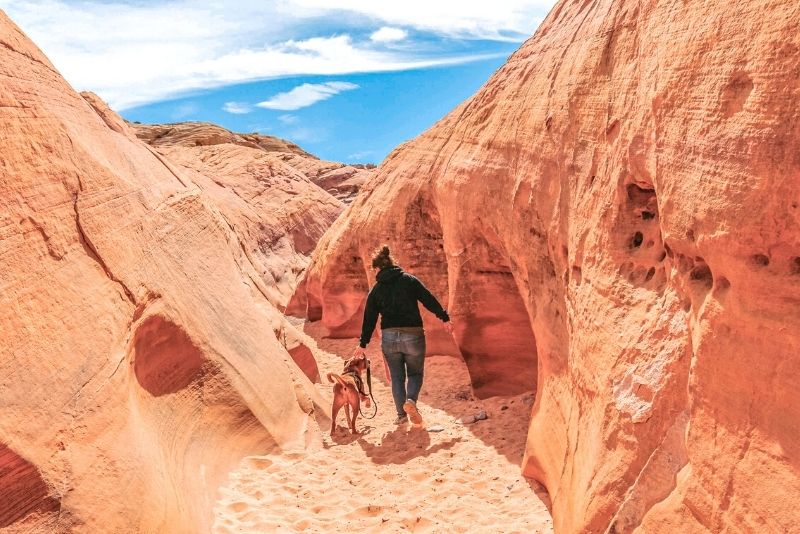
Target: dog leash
(369,387)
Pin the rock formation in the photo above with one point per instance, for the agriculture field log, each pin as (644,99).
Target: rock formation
(614,221)
(340,180)
(278,213)
(138,350)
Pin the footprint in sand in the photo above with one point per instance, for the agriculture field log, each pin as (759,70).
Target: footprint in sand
(419,477)
(366,511)
(301,525)
(238,507)
(259,463)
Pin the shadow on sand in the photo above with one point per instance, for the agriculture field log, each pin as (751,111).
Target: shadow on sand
(447,387)
(401,445)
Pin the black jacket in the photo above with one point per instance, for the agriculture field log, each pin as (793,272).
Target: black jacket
(395,297)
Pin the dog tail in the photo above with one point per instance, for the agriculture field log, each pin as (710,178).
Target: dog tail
(332,377)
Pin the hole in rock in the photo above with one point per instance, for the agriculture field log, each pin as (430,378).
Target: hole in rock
(626,268)
(577,274)
(794,265)
(690,234)
(165,360)
(494,331)
(612,130)
(685,263)
(22,489)
(701,274)
(313,307)
(760,260)
(638,231)
(722,283)
(640,196)
(735,93)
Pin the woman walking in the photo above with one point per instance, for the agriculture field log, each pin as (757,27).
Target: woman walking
(395,298)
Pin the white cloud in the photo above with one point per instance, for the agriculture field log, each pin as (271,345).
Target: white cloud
(511,20)
(359,156)
(237,108)
(387,35)
(306,95)
(288,118)
(135,53)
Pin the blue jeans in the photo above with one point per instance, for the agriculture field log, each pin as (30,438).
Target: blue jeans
(405,355)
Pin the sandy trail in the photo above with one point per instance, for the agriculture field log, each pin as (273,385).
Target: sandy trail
(396,479)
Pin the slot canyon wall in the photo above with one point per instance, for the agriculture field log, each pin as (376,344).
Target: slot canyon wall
(614,221)
(140,356)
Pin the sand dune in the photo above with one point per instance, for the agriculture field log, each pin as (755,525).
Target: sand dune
(396,479)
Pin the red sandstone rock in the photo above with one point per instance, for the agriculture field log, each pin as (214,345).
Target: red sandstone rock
(613,220)
(278,212)
(191,134)
(342,181)
(138,356)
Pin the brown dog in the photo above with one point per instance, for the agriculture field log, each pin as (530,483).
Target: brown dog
(348,390)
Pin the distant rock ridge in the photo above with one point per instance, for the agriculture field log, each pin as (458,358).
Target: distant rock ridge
(340,180)
(205,134)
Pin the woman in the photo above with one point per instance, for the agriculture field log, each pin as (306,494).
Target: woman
(395,298)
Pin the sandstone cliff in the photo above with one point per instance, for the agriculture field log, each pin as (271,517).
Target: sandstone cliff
(138,349)
(613,220)
(278,213)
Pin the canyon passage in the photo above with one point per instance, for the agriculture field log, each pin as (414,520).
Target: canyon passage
(612,221)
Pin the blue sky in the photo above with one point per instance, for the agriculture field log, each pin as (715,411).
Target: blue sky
(348,80)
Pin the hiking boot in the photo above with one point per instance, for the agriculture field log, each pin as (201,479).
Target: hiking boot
(411,410)
(401,419)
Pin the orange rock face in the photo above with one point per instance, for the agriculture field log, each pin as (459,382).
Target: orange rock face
(614,220)
(278,213)
(138,355)
(342,181)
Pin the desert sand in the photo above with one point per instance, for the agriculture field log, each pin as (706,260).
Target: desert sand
(391,478)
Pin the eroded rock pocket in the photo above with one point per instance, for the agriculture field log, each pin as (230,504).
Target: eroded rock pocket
(638,234)
(22,490)
(494,331)
(165,359)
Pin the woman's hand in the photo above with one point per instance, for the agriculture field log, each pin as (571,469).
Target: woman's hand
(359,351)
